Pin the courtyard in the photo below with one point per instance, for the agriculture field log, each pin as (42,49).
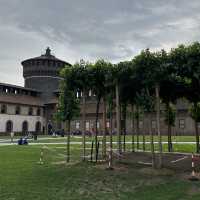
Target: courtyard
(23,177)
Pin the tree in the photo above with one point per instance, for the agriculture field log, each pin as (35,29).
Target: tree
(150,72)
(185,60)
(82,85)
(68,106)
(97,76)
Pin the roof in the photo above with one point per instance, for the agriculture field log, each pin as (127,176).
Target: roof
(20,99)
(46,56)
(18,87)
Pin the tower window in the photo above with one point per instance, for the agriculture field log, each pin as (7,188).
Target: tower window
(182,123)
(3,109)
(17,110)
(38,112)
(30,111)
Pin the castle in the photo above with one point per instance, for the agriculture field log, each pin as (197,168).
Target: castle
(31,108)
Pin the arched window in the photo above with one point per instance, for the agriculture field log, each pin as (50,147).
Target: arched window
(30,111)
(3,109)
(17,110)
(38,112)
(24,126)
(9,126)
(38,127)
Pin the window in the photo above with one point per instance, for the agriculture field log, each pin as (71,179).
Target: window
(38,112)
(107,124)
(9,126)
(182,123)
(17,110)
(38,127)
(3,109)
(153,124)
(77,125)
(30,111)
(87,126)
(24,126)
(140,124)
(98,124)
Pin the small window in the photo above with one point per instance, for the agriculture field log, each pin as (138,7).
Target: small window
(98,124)
(107,124)
(182,123)
(38,127)
(77,125)
(17,110)
(87,126)
(30,111)
(140,124)
(153,124)
(38,112)
(3,109)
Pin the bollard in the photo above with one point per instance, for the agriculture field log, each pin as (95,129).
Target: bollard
(193,170)
(41,162)
(193,176)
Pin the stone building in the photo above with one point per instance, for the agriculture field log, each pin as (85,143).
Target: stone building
(31,108)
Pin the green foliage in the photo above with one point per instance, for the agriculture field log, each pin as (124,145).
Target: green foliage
(68,106)
(195,112)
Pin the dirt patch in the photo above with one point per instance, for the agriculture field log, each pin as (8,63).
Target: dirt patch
(177,162)
(193,190)
(157,172)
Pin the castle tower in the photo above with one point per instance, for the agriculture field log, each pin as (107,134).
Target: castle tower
(42,73)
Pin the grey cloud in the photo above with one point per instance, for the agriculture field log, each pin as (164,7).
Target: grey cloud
(90,29)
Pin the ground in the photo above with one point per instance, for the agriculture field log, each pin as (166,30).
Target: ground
(22,177)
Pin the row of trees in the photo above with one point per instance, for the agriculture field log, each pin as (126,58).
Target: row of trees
(149,79)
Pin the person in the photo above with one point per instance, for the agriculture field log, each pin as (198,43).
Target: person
(12,136)
(20,141)
(35,136)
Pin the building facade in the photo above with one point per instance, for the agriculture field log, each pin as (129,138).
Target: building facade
(31,108)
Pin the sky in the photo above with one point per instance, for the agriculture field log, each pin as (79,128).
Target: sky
(115,30)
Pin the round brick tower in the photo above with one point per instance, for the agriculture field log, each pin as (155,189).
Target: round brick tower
(42,73)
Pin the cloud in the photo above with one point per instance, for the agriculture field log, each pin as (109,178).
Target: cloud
(114,30)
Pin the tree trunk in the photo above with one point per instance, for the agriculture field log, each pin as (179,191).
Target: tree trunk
(124,107)
(143,141)
(137,127)
(196,131)
(169,130)
(133,128)
(152,141)
(96,128)
(118,119)
(83,124)
(68,141)
(111,132)
(104,128)
(158,125)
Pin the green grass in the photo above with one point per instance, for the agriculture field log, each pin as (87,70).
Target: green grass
(22,178)
(128,138)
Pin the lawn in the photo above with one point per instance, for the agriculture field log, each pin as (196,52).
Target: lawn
(23,178)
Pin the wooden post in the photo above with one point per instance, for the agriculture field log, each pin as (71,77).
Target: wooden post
(83,124)
(118,118)
(133,128)
(157,88)
(104,129)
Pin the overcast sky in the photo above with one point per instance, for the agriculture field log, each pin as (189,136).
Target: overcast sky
(115,30)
